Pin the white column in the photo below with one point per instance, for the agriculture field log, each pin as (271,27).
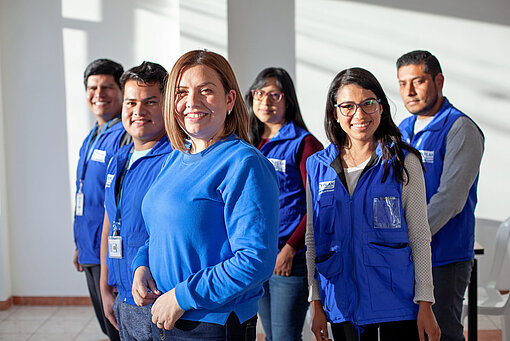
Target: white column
(5,270)
(260,34)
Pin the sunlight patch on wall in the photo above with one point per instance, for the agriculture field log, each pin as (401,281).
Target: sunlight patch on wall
(156,34)
(204,25)
(87,10)
(79,119)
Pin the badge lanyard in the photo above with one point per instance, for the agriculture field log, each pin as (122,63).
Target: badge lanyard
(91,147)
(88,154)
(118,197)
(115,240)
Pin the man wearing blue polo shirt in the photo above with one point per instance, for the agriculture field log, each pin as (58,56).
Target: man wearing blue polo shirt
(451,145)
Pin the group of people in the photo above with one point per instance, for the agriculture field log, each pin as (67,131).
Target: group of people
(198,212)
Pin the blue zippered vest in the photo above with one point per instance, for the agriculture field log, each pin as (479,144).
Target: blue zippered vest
(281,151)
(137,181)
(363,258)
(455,240)
(88,227)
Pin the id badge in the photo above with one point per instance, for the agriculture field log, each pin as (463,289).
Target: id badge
(79,203)
(115,246)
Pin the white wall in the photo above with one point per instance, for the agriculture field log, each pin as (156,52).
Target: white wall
(45,46)
(5,265)
(334,35)
(260,34)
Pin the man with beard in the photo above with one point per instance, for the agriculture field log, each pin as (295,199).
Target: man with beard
(451,145)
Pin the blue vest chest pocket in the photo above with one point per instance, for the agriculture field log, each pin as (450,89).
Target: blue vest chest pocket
(390,274)
(326,214)
(386,212)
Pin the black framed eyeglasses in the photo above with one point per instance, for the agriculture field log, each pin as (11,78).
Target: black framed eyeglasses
(274,96)
(369,106)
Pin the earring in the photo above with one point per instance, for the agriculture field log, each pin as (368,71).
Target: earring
(228,112)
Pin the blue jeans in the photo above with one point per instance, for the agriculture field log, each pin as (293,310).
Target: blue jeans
(450,283)
(186,330)
(283,307)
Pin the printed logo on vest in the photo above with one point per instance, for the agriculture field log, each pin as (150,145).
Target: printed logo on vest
(109,179)
(326,186)
(427,156)
(279,165)
(99,155)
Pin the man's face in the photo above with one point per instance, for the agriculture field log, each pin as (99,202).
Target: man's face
(421,94)
(142,114)
(103,97)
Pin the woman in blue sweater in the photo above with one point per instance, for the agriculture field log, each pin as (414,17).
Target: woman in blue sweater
(277,129)
(211,214)
(368,237)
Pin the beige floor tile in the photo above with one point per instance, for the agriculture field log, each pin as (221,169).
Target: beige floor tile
(91,337)
(15,337)
(32,313)
(52,337)
(4,314)
(59,327)
(74,313)
(19,326)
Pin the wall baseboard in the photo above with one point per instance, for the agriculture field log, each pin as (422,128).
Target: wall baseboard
(4,305)
(44,300)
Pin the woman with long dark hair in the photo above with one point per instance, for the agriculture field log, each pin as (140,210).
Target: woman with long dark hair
(368,239)
(277,129)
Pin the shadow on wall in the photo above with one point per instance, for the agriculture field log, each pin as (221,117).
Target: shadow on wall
(490,11)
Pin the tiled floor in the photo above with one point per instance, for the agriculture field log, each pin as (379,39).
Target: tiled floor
(22,323)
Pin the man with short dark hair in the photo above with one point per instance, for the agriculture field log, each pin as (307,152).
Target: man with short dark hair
(451,145)
(130,174)
(102,85)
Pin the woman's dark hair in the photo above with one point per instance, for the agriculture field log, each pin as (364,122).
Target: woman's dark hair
(284,82)
(387,135)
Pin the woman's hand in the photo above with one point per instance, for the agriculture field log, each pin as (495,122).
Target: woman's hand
(144,289)
(284,261)
(319,322)
(427,323)
(166,311)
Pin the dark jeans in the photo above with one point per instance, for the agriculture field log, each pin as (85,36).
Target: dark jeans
(282,308)
(233,330)
(389,331)
(92,273)
(450,283)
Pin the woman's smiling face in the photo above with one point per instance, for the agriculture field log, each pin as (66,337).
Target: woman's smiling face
(202,105)
(361,126)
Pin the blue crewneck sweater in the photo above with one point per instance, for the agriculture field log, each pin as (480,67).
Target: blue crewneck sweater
(212,219)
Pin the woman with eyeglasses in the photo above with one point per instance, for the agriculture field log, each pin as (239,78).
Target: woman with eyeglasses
(278,131)
(211,214)
(368,239)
